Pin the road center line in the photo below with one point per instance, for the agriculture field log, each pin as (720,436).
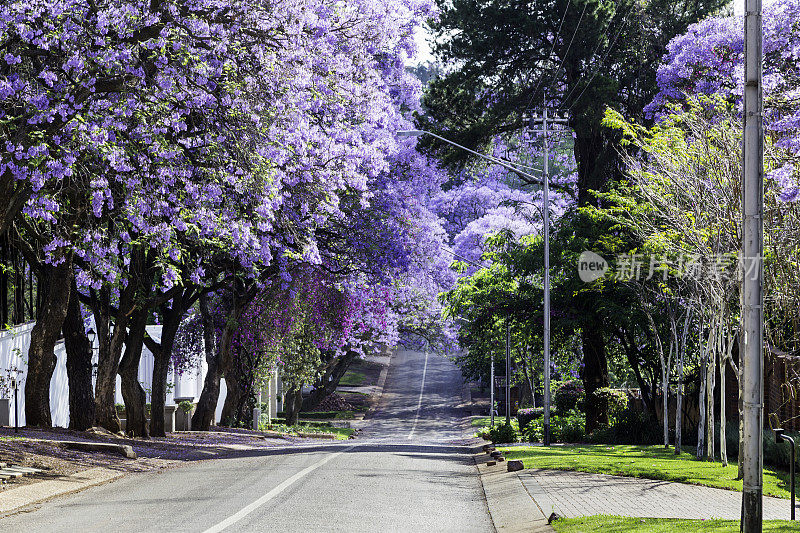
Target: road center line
(421,390)
(274,492)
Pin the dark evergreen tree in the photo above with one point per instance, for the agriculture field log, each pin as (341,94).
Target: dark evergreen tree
(581,55)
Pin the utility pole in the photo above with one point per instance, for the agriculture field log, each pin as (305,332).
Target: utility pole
(491,393)
(508,372)
(542,123)
(753,272)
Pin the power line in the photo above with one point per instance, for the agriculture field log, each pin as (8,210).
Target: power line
(574,33)
(602,61)
(549,54)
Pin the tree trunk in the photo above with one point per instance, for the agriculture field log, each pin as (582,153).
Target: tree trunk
(230,408)
(595,376)
(633,359)
(55,283)
(527,374)
(711,373)
(207,404)
(110,340)
(233,383)
(111,337)
(132,392)
(723,445)
(597,159)
(158,396)
(79,366)
(327,384)
(679,397)
(701,424)
(679,406)
(294,400)
(665,404)
(162,356)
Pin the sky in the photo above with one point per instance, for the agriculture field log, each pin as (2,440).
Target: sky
(738,5)
(423,48)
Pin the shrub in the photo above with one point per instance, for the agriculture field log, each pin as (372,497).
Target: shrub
(524,416)
(185,406)
(568,396)
(775,455)
(570,427)
(631,426)
(503,433)
(616,400)
(567,427)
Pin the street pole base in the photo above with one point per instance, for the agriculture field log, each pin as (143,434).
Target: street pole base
(752,513)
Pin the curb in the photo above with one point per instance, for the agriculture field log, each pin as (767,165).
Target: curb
(124,450)
(12,500)
(384,372)
(511,508)
(381,385)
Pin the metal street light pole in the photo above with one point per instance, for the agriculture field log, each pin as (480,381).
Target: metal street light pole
(753,272)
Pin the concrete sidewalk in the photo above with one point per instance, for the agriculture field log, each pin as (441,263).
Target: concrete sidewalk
(574,494)
(11,500)
(510,505)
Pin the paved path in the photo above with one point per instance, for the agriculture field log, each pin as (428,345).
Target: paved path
(408,473)
(574,494)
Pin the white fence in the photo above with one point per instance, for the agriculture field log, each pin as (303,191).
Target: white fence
(14,344)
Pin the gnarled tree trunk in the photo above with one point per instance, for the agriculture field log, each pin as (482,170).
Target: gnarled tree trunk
(293,402)
(132,392)
(329,380)
(55,284)
(162,355)
(79,366)
(207,404)
(233,399)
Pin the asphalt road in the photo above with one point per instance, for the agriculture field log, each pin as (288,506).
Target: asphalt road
(407,472)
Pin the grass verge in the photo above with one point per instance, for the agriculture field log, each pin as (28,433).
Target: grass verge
(650,462)
(340,433)
(352,378)
(619,524)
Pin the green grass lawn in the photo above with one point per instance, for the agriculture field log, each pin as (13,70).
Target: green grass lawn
(352,378)
(618,524)
(480,422)
(341,433)
(650,462)
(319,415)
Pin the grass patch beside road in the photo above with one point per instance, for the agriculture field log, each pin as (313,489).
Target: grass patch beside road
(352,378)
(481,422)
(340,433)
(619,524)
(649,462)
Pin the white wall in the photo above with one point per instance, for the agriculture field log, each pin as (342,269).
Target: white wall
(14,346)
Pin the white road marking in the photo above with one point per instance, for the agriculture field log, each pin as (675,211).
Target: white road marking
(421,390)
(274,492)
